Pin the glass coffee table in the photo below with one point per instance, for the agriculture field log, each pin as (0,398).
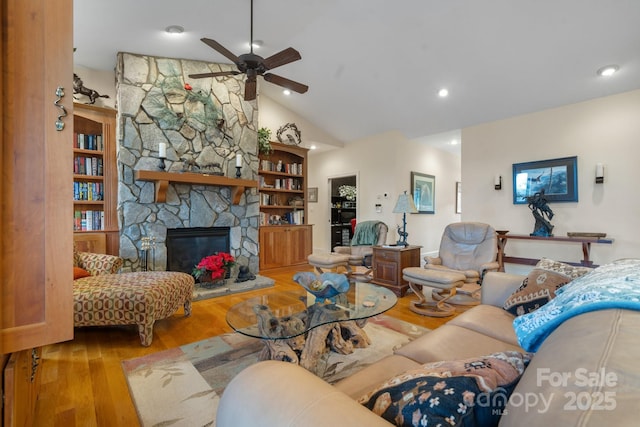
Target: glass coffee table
(297,328)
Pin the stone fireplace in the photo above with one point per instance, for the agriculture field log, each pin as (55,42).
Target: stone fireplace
(205,124)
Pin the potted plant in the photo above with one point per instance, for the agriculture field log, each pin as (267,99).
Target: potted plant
(214,267)
(264,144)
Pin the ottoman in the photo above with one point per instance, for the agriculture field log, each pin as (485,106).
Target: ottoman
(329,261)
(433,279)
(138,298)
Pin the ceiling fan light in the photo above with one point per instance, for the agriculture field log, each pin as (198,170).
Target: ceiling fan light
(443,93)
(608,70)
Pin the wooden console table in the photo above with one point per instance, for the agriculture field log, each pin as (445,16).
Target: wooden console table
(585,241)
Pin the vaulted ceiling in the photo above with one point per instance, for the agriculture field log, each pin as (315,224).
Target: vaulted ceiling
(377,65)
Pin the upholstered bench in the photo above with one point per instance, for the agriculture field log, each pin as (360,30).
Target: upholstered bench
(138,298)
(433,279)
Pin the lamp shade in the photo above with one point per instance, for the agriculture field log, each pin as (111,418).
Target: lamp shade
(405,204)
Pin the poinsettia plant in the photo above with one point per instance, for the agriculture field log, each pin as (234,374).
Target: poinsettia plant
(216,265)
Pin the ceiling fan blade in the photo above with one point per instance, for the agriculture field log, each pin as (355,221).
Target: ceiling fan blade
(216,74)
(281,58)
(250,89)
(220,49)
(286,83)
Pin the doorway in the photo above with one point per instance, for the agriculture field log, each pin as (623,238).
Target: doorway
(344,207)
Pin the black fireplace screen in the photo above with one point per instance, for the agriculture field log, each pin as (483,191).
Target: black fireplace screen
(187,246)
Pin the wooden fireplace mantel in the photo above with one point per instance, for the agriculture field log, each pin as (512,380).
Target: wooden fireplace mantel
(162,180)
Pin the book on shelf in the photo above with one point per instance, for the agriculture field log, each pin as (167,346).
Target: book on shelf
(84,141)
(290,168)
(88,191)
(91,166)
(88,220)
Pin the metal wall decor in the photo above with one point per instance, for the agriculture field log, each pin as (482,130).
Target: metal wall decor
(289,134)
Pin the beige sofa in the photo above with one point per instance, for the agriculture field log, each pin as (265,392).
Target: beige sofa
(602,343)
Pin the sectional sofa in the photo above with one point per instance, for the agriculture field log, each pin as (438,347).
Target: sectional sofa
(583,372)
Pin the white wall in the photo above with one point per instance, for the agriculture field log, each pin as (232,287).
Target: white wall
(273,116)
(383,164)
(604,130)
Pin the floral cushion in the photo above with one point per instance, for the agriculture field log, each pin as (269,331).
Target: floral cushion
(465,392)
(138,298)
(541,284)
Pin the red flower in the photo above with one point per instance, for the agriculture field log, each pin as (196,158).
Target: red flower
(187,86)
(216,265)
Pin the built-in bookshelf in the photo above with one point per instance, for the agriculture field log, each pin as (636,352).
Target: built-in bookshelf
(282,184)
(95,173)
(285,236)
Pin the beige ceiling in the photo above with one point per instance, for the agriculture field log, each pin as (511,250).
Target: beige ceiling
(376,65)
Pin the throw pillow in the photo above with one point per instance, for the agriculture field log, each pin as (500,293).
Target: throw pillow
(79,273)
(453,393)
(540,285)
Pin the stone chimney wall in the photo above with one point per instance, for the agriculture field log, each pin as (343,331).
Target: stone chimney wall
(203,122)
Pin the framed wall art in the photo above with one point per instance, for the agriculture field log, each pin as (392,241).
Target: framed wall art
(423,188)
(558,178)
(312,194)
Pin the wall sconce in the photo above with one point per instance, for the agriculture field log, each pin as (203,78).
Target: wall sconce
(599,173)
(497,182)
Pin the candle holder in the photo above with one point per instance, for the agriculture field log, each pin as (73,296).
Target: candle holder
(162,165)
(238,173)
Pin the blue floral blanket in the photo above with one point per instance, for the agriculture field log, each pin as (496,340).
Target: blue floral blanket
(615,285)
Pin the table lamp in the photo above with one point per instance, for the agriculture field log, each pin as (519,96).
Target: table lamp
(404,205)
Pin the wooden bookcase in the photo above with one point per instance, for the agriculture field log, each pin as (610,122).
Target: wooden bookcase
(285,236)
(95,178)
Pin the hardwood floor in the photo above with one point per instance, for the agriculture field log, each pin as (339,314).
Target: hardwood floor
(82,383)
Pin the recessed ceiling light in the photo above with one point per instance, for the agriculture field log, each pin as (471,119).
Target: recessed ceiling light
(608,70)
(174,29)
(313,147)
(286,92)
(454,142)
(443,93)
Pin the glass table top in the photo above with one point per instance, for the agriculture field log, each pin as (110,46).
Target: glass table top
(286,314)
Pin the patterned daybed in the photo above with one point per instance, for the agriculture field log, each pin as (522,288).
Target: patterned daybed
(103,297)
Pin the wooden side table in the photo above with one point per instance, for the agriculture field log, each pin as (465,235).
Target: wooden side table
(388,262)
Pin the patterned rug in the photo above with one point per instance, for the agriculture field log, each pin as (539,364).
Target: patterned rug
(182,386)
(230,287)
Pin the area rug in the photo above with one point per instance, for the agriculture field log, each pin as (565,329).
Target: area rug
(231,287)
(182,386)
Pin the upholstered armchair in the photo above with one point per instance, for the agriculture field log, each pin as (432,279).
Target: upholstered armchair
(468,250)
(467,247)
(366,235)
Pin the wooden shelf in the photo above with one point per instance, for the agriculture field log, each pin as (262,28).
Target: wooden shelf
(162,180)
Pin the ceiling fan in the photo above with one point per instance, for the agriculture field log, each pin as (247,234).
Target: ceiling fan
(254,65)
